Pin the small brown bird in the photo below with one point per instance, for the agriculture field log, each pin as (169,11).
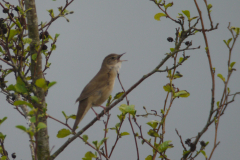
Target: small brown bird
(100,87)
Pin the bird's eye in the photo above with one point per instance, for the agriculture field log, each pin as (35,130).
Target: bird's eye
(113,58)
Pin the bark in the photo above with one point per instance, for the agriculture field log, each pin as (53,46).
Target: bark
(42,138)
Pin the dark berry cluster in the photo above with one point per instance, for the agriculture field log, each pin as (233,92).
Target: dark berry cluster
(188,43)
(191,145)
(170,39)
(3,27)
(43,35)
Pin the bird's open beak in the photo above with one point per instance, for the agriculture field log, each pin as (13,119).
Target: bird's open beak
(120,57)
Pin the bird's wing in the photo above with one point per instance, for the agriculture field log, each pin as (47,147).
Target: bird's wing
(99,81)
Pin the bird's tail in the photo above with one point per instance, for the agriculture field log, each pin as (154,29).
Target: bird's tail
(82,110)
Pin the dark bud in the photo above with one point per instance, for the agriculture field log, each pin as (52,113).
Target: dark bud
(188,141)
(16,9)
(14,155)
(6,58)
(170,39)
(44,47)
(1,20)
(5,10)
(202,143)
(192,147)
(12,15)
(0,67)
(1,80)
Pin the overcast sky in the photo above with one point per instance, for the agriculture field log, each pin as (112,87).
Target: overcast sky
(98,28)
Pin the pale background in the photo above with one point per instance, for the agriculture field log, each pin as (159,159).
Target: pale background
(98,28)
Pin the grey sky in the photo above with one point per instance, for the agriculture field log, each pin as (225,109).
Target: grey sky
(98,28)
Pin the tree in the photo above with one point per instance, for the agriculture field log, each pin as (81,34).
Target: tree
(28,92)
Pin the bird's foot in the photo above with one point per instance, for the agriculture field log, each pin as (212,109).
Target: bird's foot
(95,113)
(104,109)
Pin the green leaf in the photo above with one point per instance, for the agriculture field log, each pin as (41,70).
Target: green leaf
(168,5)
(51,12)
(1,50)
(85,137)
(27,40)
(182,93)
(19,102)
(73,116)
(20,86)
(203,152)
(124,133)
(33,119)
(149,157)
(221,77)
(11,88)
(102,141)
(187,13)
(41,125)
(127,109)
(63,133)
(164,146)
(232,64)
(34,56)
(153,133)
(2,137)
(109,100)
(237,29)
(177,75)
(95,143)
(64,114)
(41,83)
(57,35)
(186,152)
(51,84)
(3,157)
(209,6)
(12,33)
(172,49)
(159,15)
(21,128)
(118,95)
(153,123)
(2,120)
(180,60)
(167,88)
(90,155)
(218,104)
(34,98)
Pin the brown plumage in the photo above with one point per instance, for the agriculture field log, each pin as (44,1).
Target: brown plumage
(99,88)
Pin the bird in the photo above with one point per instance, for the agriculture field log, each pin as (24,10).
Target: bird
(99,88)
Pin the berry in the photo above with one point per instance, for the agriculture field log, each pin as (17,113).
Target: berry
(4,30)
(5,10)
(170,39)
(192,147)
(188,141)
(14,155)
(6,58)
(12,15)
(44,47)
(202,143)
(16,9)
